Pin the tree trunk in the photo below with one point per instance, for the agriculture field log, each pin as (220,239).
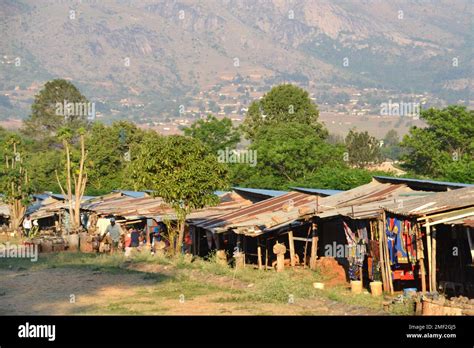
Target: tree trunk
(16,192)
(79,186)
(179,244)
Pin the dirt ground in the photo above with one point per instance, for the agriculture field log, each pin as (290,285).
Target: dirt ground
(144,289)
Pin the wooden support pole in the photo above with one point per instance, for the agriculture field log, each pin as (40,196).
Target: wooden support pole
(314,248)
(292,248)
(381,258)
(245,247)
(430,266)
(421,257)
(423,274)
(198,241)
(266,253)
(259,253)
(192,233)
(387,255)
(433,260)
(387,265)
(306,245)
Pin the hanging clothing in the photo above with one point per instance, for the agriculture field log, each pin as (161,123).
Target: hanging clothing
(374,250)
(362,231)
(393,228)
(401,240)
(357,249)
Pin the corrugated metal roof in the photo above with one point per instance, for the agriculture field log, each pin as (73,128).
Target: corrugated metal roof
(49,206)
(41,196)
(156,207)
(365,201)
(46,208)
(361,202)
(265,214)
(129,206)
(263,192)
(60,196)
(468,222)
(439,202)
(229,202)
(321,192)
(371,192)
(134,194)
(422,183)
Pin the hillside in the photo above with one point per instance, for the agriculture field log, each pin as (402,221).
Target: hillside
(143,59)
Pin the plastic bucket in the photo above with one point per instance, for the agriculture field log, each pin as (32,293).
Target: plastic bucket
(356,286)
(319,286)
(376,288)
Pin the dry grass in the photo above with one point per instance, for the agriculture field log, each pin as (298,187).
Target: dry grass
(159,285)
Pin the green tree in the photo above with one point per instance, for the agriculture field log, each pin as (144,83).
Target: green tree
(362,148)
(110,150)
(43,165)
(391,145)
(48,111)
(76,175)
(216,134)
(445,148)
(180,170)
(339,177)
(286,153)
(283,104)
(14,181)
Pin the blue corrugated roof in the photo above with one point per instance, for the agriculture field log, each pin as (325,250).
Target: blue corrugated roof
(322,192)
(134,194)
(61,196)
(422,181)
(41,196)
(263,192)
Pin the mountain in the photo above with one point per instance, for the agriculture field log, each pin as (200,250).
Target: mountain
(157,58)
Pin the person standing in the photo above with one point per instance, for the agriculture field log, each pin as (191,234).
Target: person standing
(114,232)
(27,225)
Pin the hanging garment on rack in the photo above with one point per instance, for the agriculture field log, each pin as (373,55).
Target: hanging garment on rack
(405,244)
(393,228)
(374,250)
(411,241)
(351,237)
(351,242)
(354,272)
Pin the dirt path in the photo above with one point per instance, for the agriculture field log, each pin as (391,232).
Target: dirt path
(78,291)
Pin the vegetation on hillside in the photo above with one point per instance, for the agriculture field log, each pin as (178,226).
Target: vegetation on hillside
(290,148)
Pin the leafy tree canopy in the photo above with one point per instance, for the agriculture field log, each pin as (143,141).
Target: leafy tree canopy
(362,148)
(287,153)
(57,105)
(110,150)
(445,148)
(216,134)
(283,104)
(180,170)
